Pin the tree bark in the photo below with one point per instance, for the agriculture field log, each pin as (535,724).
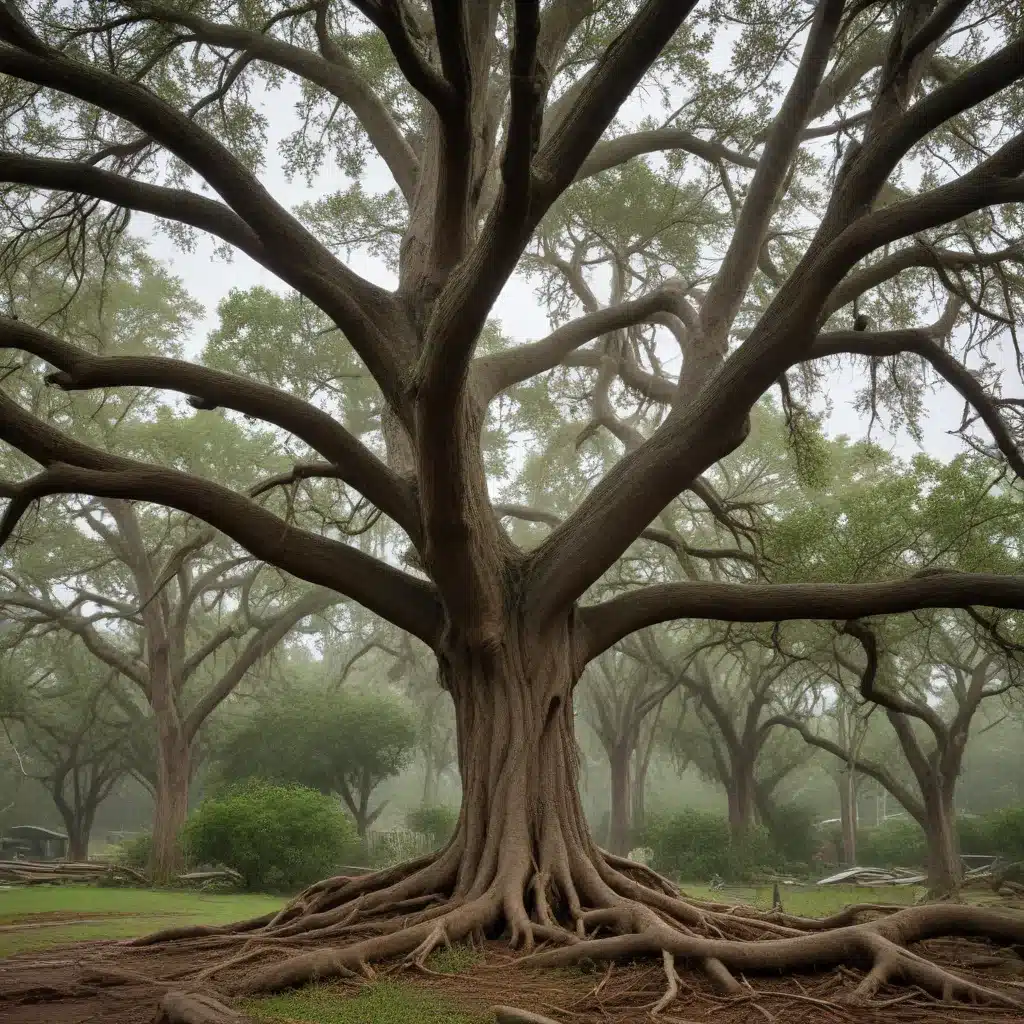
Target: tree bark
(848,814)
(741,789)
(945,869)
(521,828)
(619,839)
(174,773)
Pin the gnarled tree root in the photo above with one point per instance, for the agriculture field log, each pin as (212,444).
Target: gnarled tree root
(595,908)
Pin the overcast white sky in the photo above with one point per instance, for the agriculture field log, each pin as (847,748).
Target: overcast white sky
(522,316)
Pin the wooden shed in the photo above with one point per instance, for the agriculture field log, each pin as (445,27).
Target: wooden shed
(33,842)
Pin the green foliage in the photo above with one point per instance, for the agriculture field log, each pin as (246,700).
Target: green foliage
(278,838)
(136,853)
(792,833)
(897,843)
(1006,833)
(344,743)
(697,845)
(437,822)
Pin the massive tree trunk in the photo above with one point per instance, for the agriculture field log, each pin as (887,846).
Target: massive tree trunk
(173,776)
(522,823)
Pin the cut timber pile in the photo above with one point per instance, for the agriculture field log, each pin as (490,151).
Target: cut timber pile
(874,876)
(27,872)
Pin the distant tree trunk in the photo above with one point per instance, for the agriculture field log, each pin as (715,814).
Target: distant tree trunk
(740,789)
(78,839)
(174,774)
(429,783)
(638,792)
(847,785)
(619,839)
(78,825)
(945,868)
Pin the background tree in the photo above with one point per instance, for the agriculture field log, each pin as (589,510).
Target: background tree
(486,117)
(344,744)
(617,701)
(69,731)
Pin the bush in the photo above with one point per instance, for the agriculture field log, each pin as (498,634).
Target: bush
(438,823)
(136,853)
(897,843)
(697,845)
(278,838)
(1006,833)
(793,835)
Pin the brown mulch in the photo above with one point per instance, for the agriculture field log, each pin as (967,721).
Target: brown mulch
(64,986)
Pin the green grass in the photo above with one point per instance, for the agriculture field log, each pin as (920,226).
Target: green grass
(386,1002)
(454,960)
(807,901)
(132,912)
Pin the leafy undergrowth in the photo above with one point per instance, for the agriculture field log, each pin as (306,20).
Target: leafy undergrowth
(387,1002)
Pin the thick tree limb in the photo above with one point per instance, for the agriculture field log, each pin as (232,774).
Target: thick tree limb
(169,203)
(390,17)
(917,254)
(73,467)
(924,342)
(884,149)
(733,278)
(713,423)
(614,152)
(612,620)
(499,372)
(870,690)
(355,464)
(363,311)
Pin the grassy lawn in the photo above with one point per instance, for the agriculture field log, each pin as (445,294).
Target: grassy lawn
(115,913)
(808,901)
(122,913)
(387,1002)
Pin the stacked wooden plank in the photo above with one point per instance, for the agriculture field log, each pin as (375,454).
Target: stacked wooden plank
(28,872)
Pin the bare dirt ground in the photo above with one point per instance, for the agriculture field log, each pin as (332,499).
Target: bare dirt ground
(109,982)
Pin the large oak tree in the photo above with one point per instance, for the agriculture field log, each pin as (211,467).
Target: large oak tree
(487,114)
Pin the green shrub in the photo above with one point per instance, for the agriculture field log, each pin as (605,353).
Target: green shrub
(975,834)
(438,823)
(697,845)
(1006,833)
(278,838)
(136,853)
(897,843)
(793,836)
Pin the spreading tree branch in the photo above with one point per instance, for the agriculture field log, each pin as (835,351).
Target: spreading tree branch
(361,310)
(73,467)
(610,621)
(355,464)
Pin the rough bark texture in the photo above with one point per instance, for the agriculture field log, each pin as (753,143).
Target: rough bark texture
(173,777)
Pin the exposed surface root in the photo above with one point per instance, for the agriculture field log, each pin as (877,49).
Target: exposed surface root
(569,910)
